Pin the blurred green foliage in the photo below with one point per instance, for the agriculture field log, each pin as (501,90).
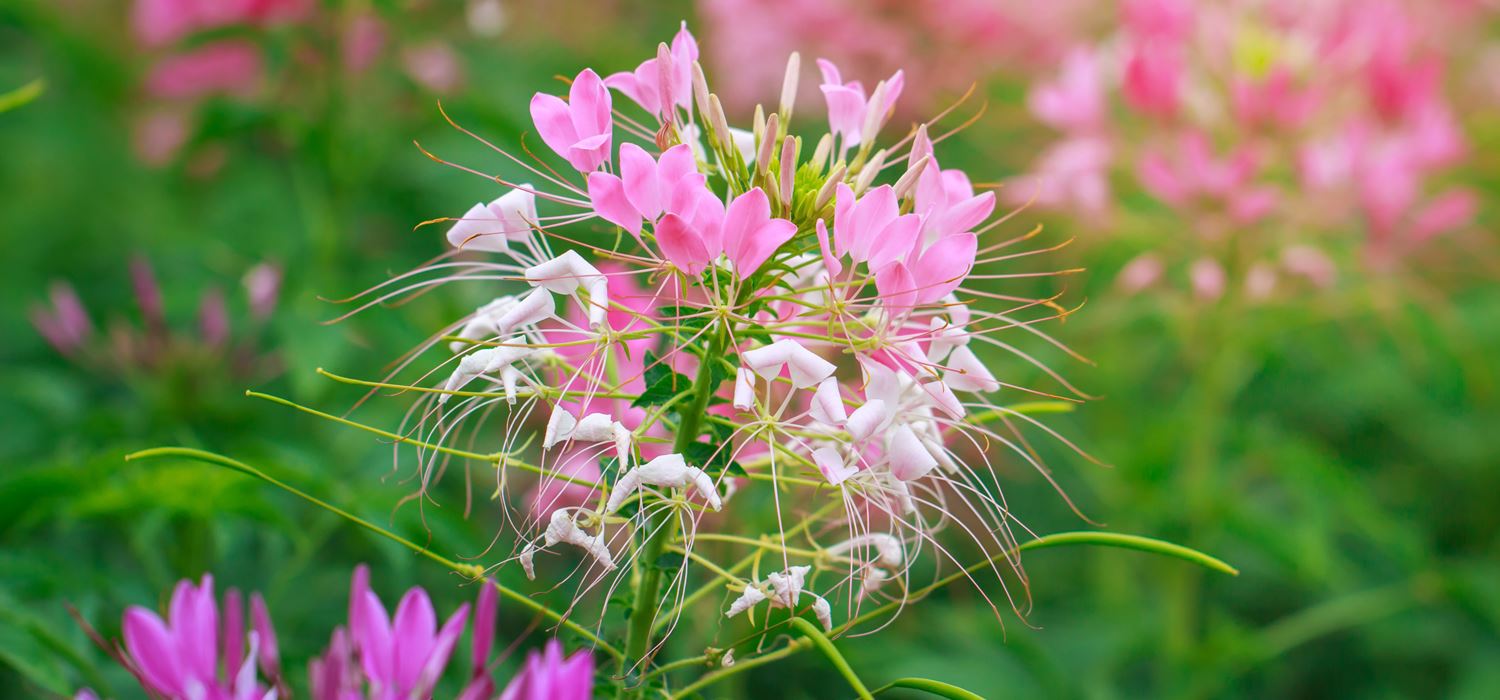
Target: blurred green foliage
(1340,452)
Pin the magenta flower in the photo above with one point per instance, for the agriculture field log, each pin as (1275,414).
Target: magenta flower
(550,676)
(66,324)
(180,657)
(579,129)
(404,654)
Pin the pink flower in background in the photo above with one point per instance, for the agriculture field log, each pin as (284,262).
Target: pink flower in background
(549,675)
(850,109)
(181,656)
(197,653)
(943,46)
(1212,107)
(435,66)
(228,67)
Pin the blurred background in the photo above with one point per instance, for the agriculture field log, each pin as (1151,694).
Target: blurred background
(1289,313)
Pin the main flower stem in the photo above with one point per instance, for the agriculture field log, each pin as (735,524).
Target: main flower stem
(661,527)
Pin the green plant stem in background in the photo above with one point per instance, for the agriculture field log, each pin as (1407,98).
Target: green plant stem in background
(662,525)
(469,570)
(820,641)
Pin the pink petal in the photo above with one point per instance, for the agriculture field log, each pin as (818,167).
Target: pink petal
(484,625)
(833,465)
(553,122)
(589,153)
(897,287)
(872,214)
(943,267)
(589,101)
(607,194)
(270,653)
(681,245)
(372,636)
(846,112)
(233,629)
(154,650)
(751,236)
(412,632)
(676,163)
(830,261)
(894,241)
(830,72)
(442,650)
(638,172)
(843,219)
(635,86)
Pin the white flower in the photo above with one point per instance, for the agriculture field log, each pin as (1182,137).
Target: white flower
(806,367)
(565,273)
(668,471)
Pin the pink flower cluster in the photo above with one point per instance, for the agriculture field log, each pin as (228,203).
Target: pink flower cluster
(1276,118)
(768,307)
(154,346)
(204,652)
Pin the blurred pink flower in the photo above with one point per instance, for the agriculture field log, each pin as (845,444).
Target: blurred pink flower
(230,67)
(180,656)
(1208,279)
(362,41)
(435,66)
(1141,272)
(1075,101)
(551,676)
(65,326)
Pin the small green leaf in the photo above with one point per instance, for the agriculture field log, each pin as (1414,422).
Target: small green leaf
(22,96)
(938,688)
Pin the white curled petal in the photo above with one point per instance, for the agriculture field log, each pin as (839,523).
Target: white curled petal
(594,427)
(866,419)
(806,367)
(786,586)
(749,599)
(767,361)
(563,274)
(560,427)
(623,442)
(887,546)
(827,405)
(824,612)
(875,578)
(533,308)
(705,487)
(598,289)
(562,528)
(509,377)
(833,465)
(469,366)
(481,325)
(939,452)
(516,211)
(744,389)
(945,337)
(967,373)
(957,312)
(479,229)
(527,564)
(942,396)
(909,458)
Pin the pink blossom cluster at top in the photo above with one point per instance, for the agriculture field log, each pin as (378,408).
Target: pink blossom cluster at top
(945,45)
(1262,117)
(204,651)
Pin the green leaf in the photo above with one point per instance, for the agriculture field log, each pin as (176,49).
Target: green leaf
(820,641)
(22,96)
(662,384)
(928,685)
(1136,542)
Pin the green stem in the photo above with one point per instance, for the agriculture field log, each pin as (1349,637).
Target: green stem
(469,570)
(662,526)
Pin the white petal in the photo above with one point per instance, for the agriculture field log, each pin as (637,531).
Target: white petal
(909,459)
(562,274)
(747,600)
(967,373)
(744,389)
(516,210)
(824,613)
(560,427)
(479,229)
(864,421)
(533,308)
(827,405)
(833,466)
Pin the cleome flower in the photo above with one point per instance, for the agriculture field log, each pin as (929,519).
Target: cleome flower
(731,344)
(204,651)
